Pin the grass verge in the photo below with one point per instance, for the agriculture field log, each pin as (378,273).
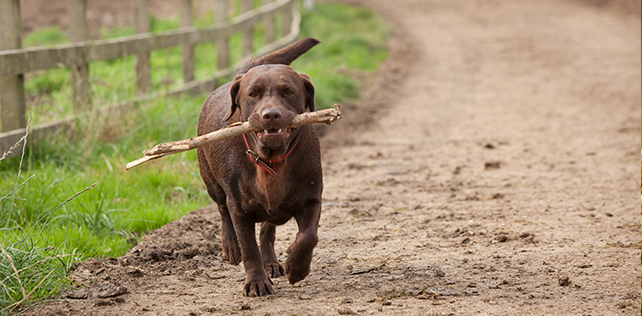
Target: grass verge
(43,231)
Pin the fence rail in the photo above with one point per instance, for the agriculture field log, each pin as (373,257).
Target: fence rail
(78,55)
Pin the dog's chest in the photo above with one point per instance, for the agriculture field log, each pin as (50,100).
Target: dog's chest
(267,194)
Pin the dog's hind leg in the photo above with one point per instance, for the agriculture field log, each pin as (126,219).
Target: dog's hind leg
(229,242)
(272,266)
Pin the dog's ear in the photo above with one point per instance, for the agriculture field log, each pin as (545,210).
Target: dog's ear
(309,92)
(234,91)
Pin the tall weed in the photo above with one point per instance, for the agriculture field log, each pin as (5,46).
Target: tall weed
(29,270)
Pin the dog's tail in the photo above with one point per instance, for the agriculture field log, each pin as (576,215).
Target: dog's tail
(283,56)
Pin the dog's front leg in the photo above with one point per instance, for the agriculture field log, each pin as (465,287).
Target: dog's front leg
(256,280)
(297,266)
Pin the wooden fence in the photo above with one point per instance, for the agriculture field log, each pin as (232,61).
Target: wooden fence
(78,55)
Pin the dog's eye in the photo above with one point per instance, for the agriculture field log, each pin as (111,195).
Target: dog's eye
(253,94)
(289,92)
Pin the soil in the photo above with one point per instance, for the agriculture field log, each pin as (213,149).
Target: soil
(491,168)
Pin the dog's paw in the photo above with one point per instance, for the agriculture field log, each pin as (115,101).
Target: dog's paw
(296,271)
(258,288)
(231,251)
(274,270)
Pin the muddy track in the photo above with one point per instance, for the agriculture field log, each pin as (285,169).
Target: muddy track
(491,169)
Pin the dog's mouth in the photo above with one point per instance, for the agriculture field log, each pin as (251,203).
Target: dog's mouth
(281,132)
(274,138)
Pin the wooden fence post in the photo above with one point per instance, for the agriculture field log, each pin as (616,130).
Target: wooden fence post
(78,33)
(12,92)
(222,44)
(270,27)
(142,24)
(248,34)
(287,18)
(188,48)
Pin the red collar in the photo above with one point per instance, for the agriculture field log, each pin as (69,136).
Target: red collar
(265,164)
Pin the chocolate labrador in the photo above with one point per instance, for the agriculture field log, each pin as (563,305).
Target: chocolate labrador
(268,176)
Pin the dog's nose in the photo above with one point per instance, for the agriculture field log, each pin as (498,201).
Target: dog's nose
(271,115)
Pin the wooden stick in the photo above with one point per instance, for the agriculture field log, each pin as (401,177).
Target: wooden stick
(328,116)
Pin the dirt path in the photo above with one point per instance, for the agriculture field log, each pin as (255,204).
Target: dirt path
(492,170)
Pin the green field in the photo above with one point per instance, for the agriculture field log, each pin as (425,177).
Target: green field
(68,198)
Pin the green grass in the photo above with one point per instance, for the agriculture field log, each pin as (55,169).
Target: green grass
(29,270)
(104,220)
(49,219)
(45,37)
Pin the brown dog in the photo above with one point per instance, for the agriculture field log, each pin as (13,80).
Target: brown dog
(269,176)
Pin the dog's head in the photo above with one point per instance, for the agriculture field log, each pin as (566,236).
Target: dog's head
(269,97)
